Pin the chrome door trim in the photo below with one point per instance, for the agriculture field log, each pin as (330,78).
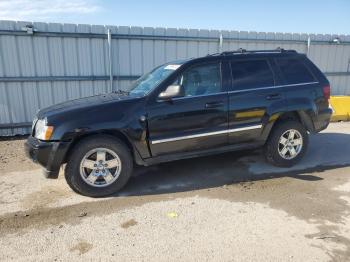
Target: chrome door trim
(188,137)
(227,131)
(270,87)
(241,90)
(244,128)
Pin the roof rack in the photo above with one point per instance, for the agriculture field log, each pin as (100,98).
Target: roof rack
(244,51)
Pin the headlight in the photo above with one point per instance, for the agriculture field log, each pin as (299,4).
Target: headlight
(42,131)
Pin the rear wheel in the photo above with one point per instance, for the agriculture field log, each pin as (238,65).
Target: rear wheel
(286,144)
(99,166)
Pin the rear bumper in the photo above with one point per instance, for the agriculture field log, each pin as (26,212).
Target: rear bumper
(50,155)
(322,120)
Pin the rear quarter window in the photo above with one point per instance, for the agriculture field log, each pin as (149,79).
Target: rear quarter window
(294,71)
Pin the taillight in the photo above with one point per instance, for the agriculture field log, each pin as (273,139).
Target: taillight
(327,92)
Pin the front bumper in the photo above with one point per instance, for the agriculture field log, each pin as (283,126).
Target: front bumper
(49,155)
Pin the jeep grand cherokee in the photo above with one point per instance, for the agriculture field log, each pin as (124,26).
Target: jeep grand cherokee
(213,104)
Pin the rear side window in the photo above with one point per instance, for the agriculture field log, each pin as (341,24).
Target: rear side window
(251,74)
(294,71)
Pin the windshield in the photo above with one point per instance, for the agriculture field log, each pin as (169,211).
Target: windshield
(149,81)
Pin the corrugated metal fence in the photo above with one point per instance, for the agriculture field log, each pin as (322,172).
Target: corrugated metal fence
(46,63)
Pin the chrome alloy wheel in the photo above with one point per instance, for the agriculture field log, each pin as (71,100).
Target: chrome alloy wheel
(290,144)
(100,167)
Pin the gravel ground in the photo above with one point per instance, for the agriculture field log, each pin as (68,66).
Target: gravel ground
(12,156)
(230,207)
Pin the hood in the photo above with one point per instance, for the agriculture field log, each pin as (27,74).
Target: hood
(82,103)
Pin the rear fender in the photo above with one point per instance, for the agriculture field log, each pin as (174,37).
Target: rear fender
(304,108)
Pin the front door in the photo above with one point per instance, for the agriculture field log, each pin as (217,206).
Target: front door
(197,120)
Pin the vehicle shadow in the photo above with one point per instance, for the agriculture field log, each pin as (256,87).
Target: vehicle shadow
(326,151)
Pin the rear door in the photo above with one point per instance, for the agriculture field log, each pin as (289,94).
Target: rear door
(198,120)
(253,91)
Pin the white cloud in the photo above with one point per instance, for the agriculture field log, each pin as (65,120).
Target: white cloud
(37,10)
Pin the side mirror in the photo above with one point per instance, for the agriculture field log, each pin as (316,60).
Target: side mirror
(170,92)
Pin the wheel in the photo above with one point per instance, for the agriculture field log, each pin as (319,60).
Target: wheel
(286,144)
(99,166)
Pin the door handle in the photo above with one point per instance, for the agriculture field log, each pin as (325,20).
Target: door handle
(273,97)
(214,104)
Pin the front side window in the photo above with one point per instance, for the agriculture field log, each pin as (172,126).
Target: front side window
(200,80)
(294,71)
(250,74)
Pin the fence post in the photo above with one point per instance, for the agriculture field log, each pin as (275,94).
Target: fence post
(221,41)
(109,39)
(308,46)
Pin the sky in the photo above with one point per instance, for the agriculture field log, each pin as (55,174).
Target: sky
(293,16)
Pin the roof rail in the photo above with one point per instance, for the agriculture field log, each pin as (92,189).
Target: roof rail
(244,51)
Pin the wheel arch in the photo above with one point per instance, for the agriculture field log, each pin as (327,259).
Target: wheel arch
(111,133)
(298,115)
(301,116)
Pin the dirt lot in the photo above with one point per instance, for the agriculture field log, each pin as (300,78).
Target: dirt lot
(230,207)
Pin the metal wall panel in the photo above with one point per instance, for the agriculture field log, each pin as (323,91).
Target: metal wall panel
(66,61)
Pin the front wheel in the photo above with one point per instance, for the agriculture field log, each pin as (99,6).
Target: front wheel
(99,166)
(286,144)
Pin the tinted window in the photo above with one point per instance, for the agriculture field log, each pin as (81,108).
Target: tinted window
(251,74)
(201,80)
(294,71)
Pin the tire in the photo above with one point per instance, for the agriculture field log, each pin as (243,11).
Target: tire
(77,176)
(282,156)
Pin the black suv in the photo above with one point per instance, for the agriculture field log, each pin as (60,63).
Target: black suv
(213,104)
